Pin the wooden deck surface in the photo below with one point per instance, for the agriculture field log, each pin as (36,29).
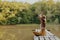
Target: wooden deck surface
(48,36)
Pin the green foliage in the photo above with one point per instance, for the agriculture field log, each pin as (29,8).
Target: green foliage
(25,13)
(51,9)
(0,0)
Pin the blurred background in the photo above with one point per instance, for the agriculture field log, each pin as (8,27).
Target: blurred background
(19,17)
(27,11)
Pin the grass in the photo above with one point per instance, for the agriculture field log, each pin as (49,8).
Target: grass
(24,31)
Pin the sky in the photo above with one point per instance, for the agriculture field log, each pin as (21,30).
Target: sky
(29,1)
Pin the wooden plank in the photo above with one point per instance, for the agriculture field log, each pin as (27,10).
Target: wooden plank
(49,33)
(41,37)
(46,38)
(56,38)
(52,35)
(36,38)
(52,38)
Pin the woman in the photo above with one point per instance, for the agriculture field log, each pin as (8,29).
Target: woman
(42,18)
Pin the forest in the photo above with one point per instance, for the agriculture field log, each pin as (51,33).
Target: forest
(26,13)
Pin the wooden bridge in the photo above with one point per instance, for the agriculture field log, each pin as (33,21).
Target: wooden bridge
(48,36)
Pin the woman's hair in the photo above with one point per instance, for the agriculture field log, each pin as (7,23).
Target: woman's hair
(43,12)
